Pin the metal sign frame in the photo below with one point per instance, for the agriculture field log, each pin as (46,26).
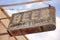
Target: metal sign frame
(15,25)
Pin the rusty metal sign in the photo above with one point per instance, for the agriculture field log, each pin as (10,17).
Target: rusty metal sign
(33,21)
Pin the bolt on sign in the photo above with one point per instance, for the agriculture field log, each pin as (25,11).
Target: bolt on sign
(33,21)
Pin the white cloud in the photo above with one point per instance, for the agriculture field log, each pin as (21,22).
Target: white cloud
(26,7)
(10,12)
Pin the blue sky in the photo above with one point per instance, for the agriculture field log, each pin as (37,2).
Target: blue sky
(52,35)
(55,3)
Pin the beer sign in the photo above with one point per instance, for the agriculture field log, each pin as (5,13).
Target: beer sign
(33,21)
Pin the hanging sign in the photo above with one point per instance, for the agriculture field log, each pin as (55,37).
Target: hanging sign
(33,21)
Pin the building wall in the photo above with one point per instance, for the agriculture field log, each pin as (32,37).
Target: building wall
(5,22)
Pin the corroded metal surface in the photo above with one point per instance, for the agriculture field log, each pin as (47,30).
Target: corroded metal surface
(33,21)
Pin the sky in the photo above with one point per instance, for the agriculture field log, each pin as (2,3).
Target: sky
(55,3)
(51,35)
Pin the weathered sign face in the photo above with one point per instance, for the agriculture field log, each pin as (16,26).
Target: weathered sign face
(33,21)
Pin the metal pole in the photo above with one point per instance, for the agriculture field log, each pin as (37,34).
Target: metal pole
(6,5)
